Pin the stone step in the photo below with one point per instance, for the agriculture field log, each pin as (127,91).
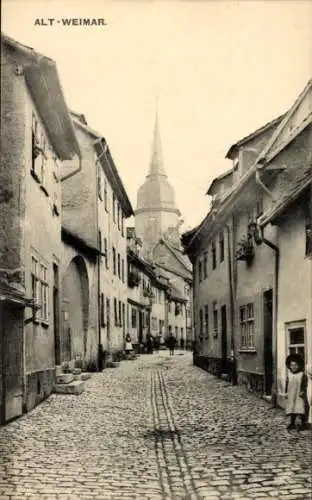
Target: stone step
(64,378)
(75,387)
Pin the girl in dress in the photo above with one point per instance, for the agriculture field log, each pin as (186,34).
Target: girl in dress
(295,391)
(128,342)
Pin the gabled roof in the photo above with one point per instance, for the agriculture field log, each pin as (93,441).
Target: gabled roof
(177,254)
(302,180)
(43,83)
(274,146)
(216,180)
(106,159)
(235,147)
(186,276)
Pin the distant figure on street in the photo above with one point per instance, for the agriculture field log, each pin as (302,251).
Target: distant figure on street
(101,357)
(182,343)
(157,342)
(149,343)
(309,392)
(295,391)
(128,344)
(171,342)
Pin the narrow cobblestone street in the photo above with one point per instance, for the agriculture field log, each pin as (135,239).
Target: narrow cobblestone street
(155,428)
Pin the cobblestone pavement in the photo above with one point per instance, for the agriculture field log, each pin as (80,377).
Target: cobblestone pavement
(155,428)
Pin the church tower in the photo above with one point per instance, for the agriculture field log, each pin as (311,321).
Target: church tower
(156,213)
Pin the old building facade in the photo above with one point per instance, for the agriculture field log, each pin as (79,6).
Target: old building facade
(95,206)
(146,295)
(285,169)
(244,261)
(33,145)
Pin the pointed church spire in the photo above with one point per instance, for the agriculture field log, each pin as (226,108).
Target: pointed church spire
(156,166)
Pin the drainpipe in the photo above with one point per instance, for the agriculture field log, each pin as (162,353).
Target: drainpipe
(274,317)
(99,310)
(232,311)
(275,296)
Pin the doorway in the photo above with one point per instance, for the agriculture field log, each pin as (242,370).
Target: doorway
(140,327)
(223,340)
(268,340)
(108,325)
(56,315)
(11,365)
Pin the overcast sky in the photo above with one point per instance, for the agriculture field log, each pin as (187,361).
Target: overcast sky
(221,69)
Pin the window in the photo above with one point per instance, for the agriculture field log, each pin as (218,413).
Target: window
(133,317)
(170,329)
(108,312)
(247,326)
(295,338)
(105,196)
(154,323)
(214,255)
(124,317)
(221,246)
(118,266)
(35,144)
(119,313)
(56,209)
(43,159)
(123,270)
(169,306)
(205,265)
(201,322)
(35,284)
(115,312)
(122,224)
(182,332)
(56,169)
(106,252)
(114,261)
(176,331)
(259,207)
(102,311)
(100,187)
(251,215)
(118,215)
(200,271)
(44,295)
(206,322)
(161,326)
(100,241)
(40,290)
(215,320)
(114,207)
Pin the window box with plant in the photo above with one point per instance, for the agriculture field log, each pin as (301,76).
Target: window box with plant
(245,249)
